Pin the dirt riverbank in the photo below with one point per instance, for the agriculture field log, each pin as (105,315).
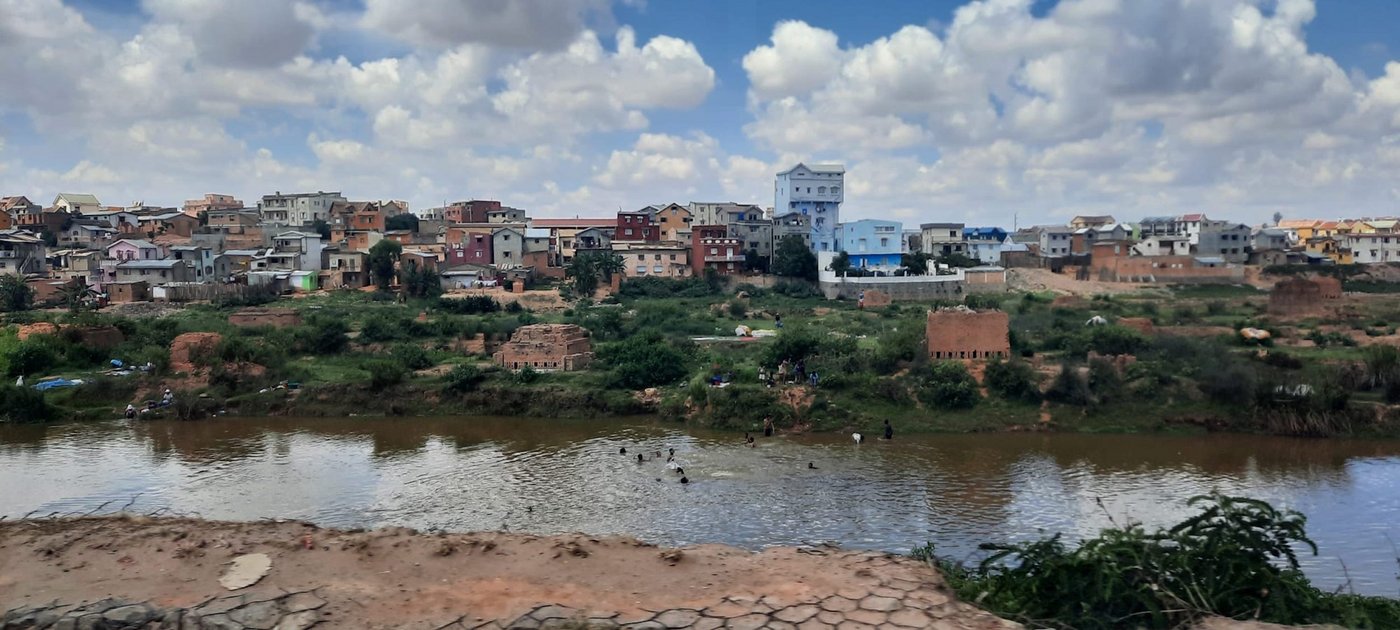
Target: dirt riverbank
(142,572)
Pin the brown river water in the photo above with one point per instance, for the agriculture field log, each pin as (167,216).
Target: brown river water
(551,476)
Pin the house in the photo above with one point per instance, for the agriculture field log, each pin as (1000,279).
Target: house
(7,220)
(872,243)
(674,221)
(1091,221)
(1229,241)
(123,221)
(173,222)
(983,243)
(473,211)
(1269,239)
(15,208)
(1299,230)
(232,220)
(83,264)
(1082,240)
(1191,225)
(565,233)
(21,253)
(591,240)
(236,261)
(155,272)
(1370,248)
(127,292)
(942,239)
(297,209)
(1159,226)
(84,234)
(506,214)
(356,240)
(637,227)
(665,260)
(546,347)
(200,256)
(1163,246)
(792,224)
(210,203)
(507,248)
(345,268)
(419,260)
(1054,240)
(474,248)
(816,191)
(712,248)
(1334,248)
(77,203)
(134,249)
(356,215)
(297,251)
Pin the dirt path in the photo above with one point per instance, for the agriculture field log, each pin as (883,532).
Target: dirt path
(158,573)
(1046,280)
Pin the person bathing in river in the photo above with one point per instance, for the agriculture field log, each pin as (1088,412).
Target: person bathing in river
(889,430)
(130,411)
(768,426)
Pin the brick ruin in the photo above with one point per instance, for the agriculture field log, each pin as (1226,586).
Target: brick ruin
(546,347)
(1303,296)
(962,333)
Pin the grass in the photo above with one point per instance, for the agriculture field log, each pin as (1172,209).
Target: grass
(1214,290)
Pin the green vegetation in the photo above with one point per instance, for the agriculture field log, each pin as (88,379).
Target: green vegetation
(15,295)
(588,268)
(381,262)
(792,259)
(1235,558)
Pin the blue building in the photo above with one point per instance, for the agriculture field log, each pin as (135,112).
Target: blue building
(872,243)
(814,191)
(984,243)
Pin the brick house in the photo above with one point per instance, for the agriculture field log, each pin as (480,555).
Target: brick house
(546,347)
(961,333)
(712,248)
(474,249)
(473,211)
(637,226)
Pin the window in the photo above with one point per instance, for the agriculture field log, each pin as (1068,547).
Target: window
(884,242)
(641,270)
(714,251)
(821,190)
(673,256)
(835,190)
(658,257)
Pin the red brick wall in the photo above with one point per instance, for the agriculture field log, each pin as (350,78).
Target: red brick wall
(546,347)
(957,334)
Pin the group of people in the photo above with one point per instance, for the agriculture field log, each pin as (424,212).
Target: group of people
(166,399)
(671,462)
(790,373)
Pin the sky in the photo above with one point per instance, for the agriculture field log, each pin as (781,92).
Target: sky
(990,112)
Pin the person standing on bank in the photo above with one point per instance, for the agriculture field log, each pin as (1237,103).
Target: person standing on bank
(889,430)
(768,427)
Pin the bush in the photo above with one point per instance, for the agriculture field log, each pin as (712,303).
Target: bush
(983,301)
(795,289)
(1070,387)
(642,361)
(794,343)
(1235,558)
(1115,339)
(654,287)
(516,308)
(385,373)
(382,329)
(23,404)
(1229,382)
(472,305)
(1012,380)
(325,336)
(1104,381)
(1216,307)
(463,378)
(412,356)
(948,385)
(737,310)
(32,356)
(526,376)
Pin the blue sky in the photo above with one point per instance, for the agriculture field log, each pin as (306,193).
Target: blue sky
(942,110)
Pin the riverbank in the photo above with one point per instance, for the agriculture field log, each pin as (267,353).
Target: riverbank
(166,568)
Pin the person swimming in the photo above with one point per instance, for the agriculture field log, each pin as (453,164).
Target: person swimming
(811,466)
(685,480)
(623,451)
(857,437)
(640,459)
(671,452)
(680,471)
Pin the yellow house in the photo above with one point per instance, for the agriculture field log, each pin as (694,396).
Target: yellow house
(1355,226)
(1382,226)
(1326,228)
(1304,228)
(1330,247)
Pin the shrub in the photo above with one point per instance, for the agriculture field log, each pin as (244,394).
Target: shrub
(795,289)
(384,373)
(23,404)
(1216,307)
(737,310)
(325,336)
(412,356)
(526,376)
(1104,381)
(1012,380)
(1235,558)
(516,308)
(642,361)
(982,301)
(463,378)
(1115,339)
(384,329)
(1070,387)
(948,385)
(794,343)
(471,305)
(30,357)
(1228,382)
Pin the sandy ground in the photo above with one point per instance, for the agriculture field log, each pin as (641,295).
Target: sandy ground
(1046,280)
(400,578)
(535,300)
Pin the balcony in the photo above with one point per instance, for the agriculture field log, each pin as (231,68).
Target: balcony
(722,258)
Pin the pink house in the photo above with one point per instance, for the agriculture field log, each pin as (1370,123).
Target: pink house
(134,249)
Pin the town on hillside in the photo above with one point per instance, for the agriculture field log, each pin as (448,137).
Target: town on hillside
(313,241)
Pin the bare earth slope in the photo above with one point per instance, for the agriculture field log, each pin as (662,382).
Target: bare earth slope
(132,572)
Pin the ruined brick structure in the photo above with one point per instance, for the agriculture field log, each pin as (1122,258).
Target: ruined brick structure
(274,317)
(961,333)
(1303,296)
(547,347)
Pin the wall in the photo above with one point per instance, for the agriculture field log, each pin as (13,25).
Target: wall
(1111,264)
(966,334)
(546,347)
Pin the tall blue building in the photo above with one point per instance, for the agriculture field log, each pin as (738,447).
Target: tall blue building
(815,191)
(872,243)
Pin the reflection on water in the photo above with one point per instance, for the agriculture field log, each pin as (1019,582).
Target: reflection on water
(558,476)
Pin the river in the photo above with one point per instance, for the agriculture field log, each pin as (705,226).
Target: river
(551,476)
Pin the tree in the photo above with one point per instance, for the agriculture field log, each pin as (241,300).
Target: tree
(1278,218)
(75,294)
(322,228)
(1012,380)
(954,259)
(948,385)
(794,260)
(643,361)
(755,262)
(841,263)
(915,263)
(588,267)
(381,262)
(50,239)
(15,295)
(406,221)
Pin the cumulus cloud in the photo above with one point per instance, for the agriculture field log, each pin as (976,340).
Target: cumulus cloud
(533,24)
(255,33)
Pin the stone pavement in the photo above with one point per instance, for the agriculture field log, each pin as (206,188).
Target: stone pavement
(888,594)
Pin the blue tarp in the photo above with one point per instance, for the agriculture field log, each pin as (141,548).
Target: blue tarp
(56,383)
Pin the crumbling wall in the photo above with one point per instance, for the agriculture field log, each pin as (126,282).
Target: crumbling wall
(547,347)
(962,333)
(273,317)
(1303,296)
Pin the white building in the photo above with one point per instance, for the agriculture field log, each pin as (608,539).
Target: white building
(298,208)
(1373,248)
(815,191)
(77,203)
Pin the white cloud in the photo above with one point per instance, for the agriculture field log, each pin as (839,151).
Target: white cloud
(800,59)
(503,23)
(248,33)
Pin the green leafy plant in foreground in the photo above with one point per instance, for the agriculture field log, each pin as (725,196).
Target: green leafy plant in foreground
(1235,558)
